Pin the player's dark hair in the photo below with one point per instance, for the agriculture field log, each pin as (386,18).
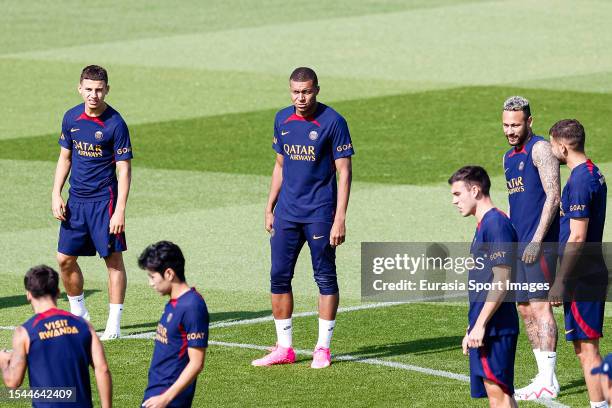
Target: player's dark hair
(163,255)
(304,74)
(95,73)
(473,176)
(571,132)
(42,280)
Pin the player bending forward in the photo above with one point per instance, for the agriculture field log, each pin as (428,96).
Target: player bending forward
(182,332)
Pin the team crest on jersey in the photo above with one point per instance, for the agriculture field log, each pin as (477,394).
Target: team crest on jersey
(313,135)
(521,166)
(169,318)
(99,135)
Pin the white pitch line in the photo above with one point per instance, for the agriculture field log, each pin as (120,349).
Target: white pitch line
(305,314)
(378,305)
(150,335)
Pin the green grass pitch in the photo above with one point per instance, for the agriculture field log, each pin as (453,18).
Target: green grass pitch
(421,84)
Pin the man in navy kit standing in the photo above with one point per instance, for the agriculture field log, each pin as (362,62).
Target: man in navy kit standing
(582,268)
(306,204)
(492,333)
(532,178)
(96,151)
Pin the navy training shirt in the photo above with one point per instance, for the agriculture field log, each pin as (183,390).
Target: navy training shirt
(584,196)
(60,355)
(96,144)
(310,147)
(526,195)
(183,324)
(494,241)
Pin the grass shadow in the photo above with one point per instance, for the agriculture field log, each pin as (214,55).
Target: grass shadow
(413,347)
(20,300)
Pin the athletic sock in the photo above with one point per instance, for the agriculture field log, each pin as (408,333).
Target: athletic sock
(601,404)
(549,365)
(547,362)
(284,331)
(538,357)
(113,323)
(77,305)
(326,330)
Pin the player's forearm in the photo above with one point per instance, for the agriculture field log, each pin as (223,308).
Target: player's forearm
(548,168)
(105,386)
(344,191)
(571,253)
(188,375)
(275,186)
(124,180)
(61,174)
(549,212)
(496,297)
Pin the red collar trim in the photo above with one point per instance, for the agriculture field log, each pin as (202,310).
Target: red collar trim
(94,119)
(295,117)
(49,313)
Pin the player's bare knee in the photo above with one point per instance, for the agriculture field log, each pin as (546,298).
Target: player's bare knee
(540,308)
(115,261)
(66,262)
(524,309)
(496,402)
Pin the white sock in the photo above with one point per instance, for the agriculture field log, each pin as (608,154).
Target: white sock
(601,404)
(77,305)
(538,357)
(284,331)
(547,363)
(326,330)
(113,323)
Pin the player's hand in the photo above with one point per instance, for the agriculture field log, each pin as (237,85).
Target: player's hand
(159,401)
(476,337)
(58,207)
(555,294)
(338,233)
(531,252)
(464,345)
(269,221)
(117,223)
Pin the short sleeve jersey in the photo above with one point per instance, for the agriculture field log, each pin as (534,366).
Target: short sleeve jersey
(310,147)
(494,242)
(584,196)
(60,354)
(526,195)
(97,143)
(183,324)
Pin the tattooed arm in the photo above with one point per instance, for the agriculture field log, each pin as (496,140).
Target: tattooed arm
(13,363)
(548,168)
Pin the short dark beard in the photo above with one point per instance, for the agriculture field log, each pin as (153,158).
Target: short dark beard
(523,139)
